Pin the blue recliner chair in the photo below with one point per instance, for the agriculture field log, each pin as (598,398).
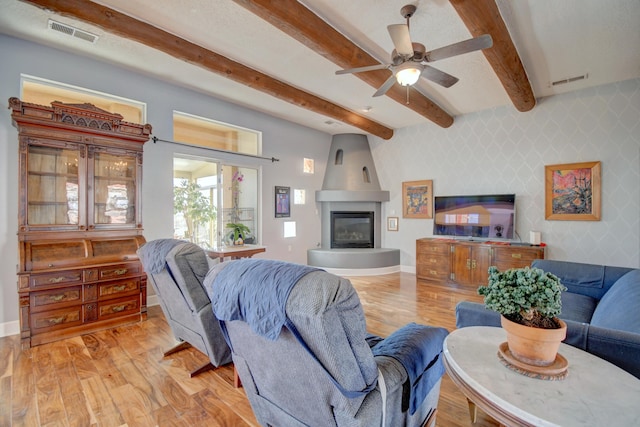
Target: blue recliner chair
(176,270)
(299,343)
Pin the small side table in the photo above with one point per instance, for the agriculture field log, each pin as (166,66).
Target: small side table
(594,393)
(235,252)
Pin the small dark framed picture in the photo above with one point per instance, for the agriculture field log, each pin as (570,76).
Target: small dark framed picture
(283,202)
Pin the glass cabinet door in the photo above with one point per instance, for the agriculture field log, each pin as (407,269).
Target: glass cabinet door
(53,193)
(114,189)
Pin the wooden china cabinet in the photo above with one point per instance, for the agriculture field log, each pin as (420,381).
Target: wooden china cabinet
(79,220)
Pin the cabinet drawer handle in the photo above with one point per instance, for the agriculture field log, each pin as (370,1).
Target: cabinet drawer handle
(516,256)
(120,288)
(433,272)
(57,298)
(56,321)
(120,272)
(473,264)
(118,308)
(56,279)
(433,260)
(468,264)
(126,257)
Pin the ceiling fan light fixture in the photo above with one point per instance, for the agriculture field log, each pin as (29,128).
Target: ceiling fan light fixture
(408,74)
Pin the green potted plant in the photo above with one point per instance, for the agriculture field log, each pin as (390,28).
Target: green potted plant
(529,301)
(240,232)
(194,206)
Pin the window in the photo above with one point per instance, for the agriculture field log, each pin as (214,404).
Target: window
(210,193)
(41,91)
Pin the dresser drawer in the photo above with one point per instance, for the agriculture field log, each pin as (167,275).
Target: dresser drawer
(118,289)
(439,274)
(56,319)
(55,298)
(56,279)
(119,307)
(120,271)
(433,248)
(506,258)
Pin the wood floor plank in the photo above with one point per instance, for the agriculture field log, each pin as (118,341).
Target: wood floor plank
(119,377)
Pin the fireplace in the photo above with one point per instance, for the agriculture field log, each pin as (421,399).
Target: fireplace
(352,229)
(350,203)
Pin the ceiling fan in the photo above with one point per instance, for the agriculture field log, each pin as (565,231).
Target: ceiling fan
(409,61)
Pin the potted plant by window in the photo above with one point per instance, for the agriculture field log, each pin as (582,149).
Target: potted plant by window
(529,301)
(240,232)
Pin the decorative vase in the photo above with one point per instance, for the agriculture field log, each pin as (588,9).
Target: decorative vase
(533,346)
(238,242)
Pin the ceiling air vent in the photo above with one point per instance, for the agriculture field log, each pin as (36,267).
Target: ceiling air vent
(72,31)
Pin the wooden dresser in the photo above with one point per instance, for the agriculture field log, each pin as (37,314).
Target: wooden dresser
(79,220)
(466,262)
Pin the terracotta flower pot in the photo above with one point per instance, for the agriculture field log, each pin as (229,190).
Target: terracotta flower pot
(533,346)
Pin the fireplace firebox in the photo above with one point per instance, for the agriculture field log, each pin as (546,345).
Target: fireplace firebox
(352,229)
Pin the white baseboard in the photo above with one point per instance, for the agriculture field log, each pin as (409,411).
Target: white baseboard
(9,328)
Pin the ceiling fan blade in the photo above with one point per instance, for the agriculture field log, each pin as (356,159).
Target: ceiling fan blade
(361,69)
(401,39)
(466,46)
(386,86)
(439,77)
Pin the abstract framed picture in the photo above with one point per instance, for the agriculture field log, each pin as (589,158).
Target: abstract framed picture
(572,191)
(417,199)
(283,202)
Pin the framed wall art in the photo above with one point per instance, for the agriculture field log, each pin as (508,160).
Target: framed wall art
(572,191)
(392,223)
(417,199)
(283,202)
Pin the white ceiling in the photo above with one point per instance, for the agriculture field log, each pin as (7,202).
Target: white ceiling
(556,39)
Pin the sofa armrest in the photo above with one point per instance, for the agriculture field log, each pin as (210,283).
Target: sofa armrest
(475,314)
(618,347)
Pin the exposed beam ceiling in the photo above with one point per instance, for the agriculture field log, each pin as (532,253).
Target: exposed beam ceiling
(120,24)
(483,17)
(305,26)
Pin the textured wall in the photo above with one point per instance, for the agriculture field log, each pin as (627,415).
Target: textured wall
(505,151)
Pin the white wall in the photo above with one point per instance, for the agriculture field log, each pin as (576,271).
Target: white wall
(505,151)
(281,139)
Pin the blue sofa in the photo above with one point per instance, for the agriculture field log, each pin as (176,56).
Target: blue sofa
(601,308)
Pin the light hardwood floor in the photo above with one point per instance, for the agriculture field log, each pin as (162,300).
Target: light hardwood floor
(118,377)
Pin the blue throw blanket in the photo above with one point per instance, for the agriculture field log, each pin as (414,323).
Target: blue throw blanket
(419,349)
(153,254)
(255,291)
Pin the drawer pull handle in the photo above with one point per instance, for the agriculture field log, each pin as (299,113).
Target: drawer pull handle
(473,264)
(56,321)
(56,279)
(120,272)
(433,272)
(126,257)
(118,308)
(50,265)
(120,288)
(468,264)
(57,298)
(516,256)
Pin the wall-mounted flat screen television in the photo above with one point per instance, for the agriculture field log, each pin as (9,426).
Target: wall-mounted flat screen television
(484,217)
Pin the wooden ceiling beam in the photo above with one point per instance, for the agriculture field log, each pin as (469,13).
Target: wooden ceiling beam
(304,25)
(483,17)
(120,24)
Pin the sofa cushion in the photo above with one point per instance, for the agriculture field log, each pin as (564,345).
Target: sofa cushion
(618,308)
(578,308)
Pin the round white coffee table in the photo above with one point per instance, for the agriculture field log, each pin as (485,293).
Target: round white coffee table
(595,392)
